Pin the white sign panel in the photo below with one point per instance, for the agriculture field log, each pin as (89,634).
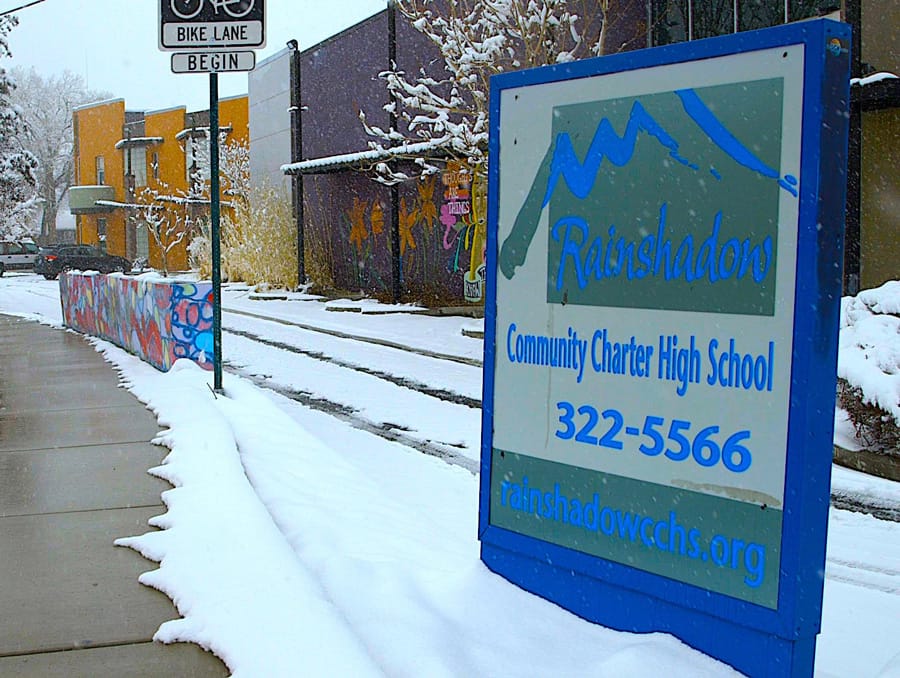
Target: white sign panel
(204,36)
(211,24)
(213,62)
(645,308)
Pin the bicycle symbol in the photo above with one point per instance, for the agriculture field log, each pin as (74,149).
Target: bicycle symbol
(188,9)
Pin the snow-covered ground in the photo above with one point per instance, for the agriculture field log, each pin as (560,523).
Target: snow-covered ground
(326,524)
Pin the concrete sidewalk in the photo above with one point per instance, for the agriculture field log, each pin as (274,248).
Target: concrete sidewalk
(74,455)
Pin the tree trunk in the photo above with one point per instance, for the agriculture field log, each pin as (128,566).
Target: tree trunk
(626,26)
(48,221)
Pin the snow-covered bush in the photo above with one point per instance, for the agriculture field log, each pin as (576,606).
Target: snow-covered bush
(869,366)
(199,251)
(257,236)
(260,243)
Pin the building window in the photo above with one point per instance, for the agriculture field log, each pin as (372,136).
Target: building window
(101,231)
(154,166)
(101,170)
(139,166)
(680,20)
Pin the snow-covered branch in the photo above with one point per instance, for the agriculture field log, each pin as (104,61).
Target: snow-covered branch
(476,39)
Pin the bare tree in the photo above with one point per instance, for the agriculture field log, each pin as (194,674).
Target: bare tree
(234,168)
(170,218)
(478,39)
(47,104)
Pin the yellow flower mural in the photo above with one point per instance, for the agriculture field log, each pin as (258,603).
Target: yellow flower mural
(358,232)
(428,213)
(376,218)
(408,219)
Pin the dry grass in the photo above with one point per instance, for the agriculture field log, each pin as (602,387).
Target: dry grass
(258,242)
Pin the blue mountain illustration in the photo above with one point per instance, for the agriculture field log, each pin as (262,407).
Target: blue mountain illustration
(562,162)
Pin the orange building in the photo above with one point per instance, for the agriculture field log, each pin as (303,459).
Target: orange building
(124,159)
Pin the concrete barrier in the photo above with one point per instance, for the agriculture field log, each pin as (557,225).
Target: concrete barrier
(876,464)
(157,319)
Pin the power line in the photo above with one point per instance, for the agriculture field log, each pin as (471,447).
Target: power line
(25,6)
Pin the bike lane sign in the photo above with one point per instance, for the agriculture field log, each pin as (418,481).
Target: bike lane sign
(211,24)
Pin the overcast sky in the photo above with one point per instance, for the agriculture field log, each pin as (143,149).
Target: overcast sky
(113,44)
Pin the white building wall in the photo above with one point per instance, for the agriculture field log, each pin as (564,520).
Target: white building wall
(270,121)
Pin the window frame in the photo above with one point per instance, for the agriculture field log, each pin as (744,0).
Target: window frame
(100,170)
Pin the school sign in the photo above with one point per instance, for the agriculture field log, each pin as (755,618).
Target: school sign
(664,258)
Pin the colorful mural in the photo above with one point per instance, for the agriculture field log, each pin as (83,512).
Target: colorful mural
(463,214)
(158,321)
(442,237)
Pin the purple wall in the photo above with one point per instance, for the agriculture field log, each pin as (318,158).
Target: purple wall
(347,214)
(338,77)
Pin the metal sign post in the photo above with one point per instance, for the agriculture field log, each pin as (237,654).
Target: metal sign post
(213,36)
(214,228)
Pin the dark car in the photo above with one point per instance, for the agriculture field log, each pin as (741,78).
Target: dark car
(52,260)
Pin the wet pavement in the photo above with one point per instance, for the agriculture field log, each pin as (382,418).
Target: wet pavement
(74,455)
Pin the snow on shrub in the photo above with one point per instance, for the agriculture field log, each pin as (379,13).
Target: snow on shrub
(869,366)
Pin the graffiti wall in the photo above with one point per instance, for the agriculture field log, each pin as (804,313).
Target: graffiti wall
(158,321)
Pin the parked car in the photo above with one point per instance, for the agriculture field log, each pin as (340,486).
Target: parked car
(17,255)
(52,260)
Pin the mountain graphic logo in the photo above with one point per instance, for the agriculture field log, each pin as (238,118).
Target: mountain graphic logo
(680,210)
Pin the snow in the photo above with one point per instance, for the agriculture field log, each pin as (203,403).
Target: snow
(217,537)
(138,141)
(869,347)
(872,79)
(294,541)
(373,155)
(102,102)
(201,131)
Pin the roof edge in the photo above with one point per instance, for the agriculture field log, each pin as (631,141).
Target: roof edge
(104,102)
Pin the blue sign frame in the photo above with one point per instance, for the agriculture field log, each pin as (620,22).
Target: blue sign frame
(755,639)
